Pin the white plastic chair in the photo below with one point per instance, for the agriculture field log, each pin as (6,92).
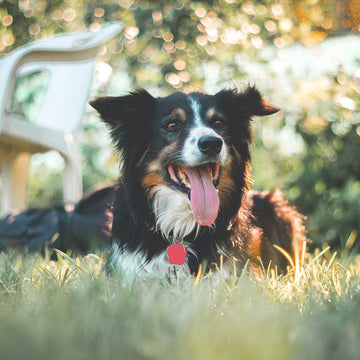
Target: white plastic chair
(69,60)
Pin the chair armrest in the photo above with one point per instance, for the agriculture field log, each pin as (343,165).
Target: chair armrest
(74,41)
(60,48)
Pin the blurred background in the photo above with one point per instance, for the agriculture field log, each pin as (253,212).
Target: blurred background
(303,55)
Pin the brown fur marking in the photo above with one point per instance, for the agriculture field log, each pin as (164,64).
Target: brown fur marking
(150,182)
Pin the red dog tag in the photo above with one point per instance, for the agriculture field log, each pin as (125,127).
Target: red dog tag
(176,253)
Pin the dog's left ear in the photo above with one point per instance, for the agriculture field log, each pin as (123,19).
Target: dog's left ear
(255,103)
(249,102)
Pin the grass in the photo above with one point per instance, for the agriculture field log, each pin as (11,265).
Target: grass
(72,309)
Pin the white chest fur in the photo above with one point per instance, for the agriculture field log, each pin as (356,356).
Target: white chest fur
(134,265)
(173,214)
(174,219)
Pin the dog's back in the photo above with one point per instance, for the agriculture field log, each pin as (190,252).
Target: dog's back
(280,225)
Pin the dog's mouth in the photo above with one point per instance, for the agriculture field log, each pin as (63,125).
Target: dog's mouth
(199,182)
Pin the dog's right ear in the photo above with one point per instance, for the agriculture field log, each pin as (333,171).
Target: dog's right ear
(118,109)
(129,120)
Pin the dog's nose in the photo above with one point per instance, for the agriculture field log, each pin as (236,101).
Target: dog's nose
(210,145)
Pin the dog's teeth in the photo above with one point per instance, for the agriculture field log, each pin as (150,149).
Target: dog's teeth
(185,182)
(183,179)
(211,171)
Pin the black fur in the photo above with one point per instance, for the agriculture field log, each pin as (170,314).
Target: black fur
(139,126)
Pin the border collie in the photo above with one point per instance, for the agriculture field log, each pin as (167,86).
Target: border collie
(185,181)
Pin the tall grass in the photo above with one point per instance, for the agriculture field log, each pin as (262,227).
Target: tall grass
(72,309)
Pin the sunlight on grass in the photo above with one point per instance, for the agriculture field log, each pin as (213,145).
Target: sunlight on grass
(70,307)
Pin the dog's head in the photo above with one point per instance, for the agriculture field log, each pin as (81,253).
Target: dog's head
(193,144)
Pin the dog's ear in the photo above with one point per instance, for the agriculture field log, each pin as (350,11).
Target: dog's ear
(254,103)
(249,102)
(118,109)
(129,120)
(239,107)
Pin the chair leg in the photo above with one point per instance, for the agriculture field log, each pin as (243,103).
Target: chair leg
(72,180)
(14,172)
(72,177)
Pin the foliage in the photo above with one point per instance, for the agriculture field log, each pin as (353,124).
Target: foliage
(174,37)
(70,308)
(327,185)
(207,45)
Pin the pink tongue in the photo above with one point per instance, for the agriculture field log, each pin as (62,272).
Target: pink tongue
(203,195)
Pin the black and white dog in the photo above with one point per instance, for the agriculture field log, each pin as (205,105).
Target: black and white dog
(185,175)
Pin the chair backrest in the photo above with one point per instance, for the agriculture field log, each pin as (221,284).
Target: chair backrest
(69,60)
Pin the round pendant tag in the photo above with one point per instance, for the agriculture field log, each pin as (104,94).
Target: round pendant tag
(176,253)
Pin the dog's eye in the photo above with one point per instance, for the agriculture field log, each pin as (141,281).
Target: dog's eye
(172,125)
(218,122)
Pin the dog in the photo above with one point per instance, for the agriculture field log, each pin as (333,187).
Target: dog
(185,185)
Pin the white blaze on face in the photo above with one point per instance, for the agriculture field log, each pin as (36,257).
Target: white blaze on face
(191,153)
(195,106)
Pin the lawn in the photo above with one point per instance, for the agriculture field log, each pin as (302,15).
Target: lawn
(72,308)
